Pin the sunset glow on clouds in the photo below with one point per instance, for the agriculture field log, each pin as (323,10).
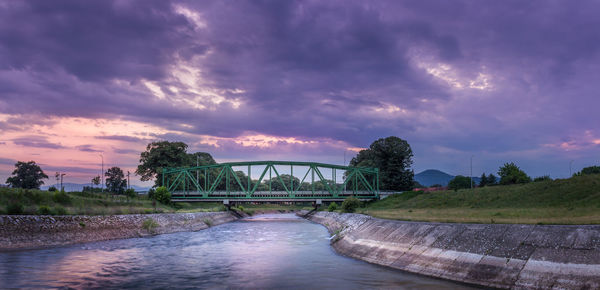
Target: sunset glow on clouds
(300,80)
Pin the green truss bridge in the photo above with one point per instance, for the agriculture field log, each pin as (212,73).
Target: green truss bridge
(278,181)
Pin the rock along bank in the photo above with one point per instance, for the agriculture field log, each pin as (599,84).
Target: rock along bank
(35,231)
(493,255)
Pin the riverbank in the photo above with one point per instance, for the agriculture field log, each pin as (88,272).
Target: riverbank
(39,231)
(574,201)
(493,255)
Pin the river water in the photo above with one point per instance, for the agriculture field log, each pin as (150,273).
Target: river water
(268,252)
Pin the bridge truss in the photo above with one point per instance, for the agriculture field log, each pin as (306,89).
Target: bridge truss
(233,182)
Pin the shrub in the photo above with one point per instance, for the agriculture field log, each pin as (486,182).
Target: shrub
(162,195)
(208,222)
(149,224)
(61,197)
(151,193)
(59,210)
(52,188)
(44,210)
(542,178)
(15,208)
(241,208)
(130,193)
(332,206)
(350,204)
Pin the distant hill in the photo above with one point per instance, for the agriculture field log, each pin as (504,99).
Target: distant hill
(79,187)
(430,177)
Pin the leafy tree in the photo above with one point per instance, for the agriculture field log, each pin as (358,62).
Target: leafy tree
(459,182)
(484,181)
(115,180)
(512,174)
(491,179)
(588,170)
(27,175)
(163,154)
(96,180)
(159,155)
(393,156)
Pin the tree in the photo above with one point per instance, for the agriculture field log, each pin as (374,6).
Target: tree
(459,182)
(163,154)
(588,170)
(115,180)
(393,157)
(27,175)
(512,174)
(483,182)
(96,180)
(491,179)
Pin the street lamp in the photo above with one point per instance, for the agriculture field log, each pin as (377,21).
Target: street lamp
(570,171)
(102,173)
(471,175)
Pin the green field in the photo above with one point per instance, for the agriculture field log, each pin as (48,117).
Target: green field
(564,201)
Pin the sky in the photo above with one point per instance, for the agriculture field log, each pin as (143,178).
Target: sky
(491,81)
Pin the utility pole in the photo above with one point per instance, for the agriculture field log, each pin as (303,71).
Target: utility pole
(102,173)
(471,175)
(128,184)
(61,181)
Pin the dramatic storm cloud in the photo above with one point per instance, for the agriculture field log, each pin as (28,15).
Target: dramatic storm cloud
(302,80)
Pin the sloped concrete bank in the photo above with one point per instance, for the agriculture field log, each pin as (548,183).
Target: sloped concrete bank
(33,231)
(493,255)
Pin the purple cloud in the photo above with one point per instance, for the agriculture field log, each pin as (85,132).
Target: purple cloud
(36,142)
(87,148)
(504,81)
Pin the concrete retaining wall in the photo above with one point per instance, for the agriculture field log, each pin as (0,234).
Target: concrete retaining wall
(30,231)
(494,255)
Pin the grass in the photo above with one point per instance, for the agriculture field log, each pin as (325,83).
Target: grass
(74,203)
(21,201)
(566,201)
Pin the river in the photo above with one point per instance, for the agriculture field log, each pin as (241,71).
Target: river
(278,251)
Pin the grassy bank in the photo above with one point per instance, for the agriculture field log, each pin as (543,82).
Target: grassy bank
(20,201)
(566,201)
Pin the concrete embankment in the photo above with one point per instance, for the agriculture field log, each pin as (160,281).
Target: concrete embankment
(32,231)
(493,255)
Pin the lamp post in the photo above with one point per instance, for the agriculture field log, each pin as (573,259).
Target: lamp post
(570,171)
(102,173)
(471,175)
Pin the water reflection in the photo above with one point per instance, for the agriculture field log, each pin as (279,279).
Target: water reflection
(268,251)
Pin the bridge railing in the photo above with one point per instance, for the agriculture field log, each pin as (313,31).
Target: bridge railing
(223,181)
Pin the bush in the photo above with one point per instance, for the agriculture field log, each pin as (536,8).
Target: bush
(44,210)
(332,206)
(61,197)
(459,182)
(162,195)
(52,188)
(151,193)
(350,204)
(15,208)
(149,224)
(131,193)
(542,178)
(59,210)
